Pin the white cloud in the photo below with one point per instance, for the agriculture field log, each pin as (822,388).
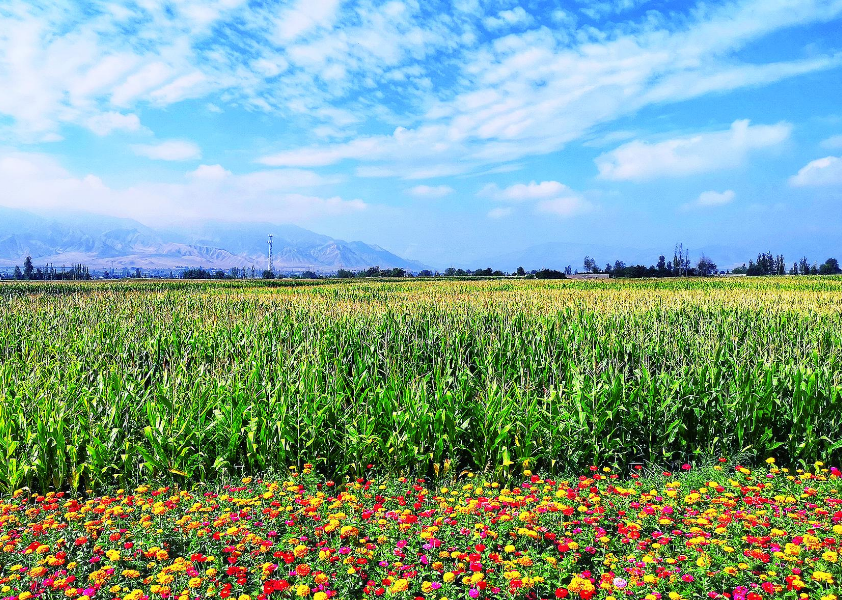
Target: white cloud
(210,173)
(565,206)
(426,191)
(711,198)
(499,212)
(550,197)
(525,191)
(304,16)
(38,182)
(509,18)
(105,123)
(689,155)
(169,150)
(468,100)
(834,142)
(820,172)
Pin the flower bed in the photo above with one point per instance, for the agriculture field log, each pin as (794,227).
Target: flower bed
(722,532)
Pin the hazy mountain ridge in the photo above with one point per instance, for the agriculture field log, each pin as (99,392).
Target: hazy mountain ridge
(107,242)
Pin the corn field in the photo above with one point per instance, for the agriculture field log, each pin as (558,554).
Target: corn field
(112,383)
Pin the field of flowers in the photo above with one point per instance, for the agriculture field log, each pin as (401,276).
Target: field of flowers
(106,384)
(720,532)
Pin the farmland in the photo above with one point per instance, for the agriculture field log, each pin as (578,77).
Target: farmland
(116,384)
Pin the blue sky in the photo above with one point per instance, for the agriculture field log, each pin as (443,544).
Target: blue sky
(442,130)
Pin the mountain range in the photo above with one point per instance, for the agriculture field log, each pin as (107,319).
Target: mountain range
(101,242)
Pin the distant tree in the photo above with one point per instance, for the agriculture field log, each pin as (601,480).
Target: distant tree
(814,269)
(267,274)
(678,259)
(197,273)
(18,274)
(425,273)
(766,264)
(309,275)
(803,266)
(344,274)
(549,274)
(794,269)
(449,272)
(741,270)
(589,264)
(662,263)
(706,266)
(137,273)
(520,272)
(830,267)
(27,268)
(619,266)
(372,272)
(568,270)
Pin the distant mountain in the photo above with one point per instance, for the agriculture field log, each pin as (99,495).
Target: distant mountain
(107,242)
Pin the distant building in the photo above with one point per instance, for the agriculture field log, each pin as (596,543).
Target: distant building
(589,276)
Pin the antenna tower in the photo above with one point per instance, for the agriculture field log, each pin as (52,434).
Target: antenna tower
(270,254)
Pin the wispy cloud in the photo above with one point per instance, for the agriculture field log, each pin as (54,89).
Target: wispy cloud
(105,123)
(426,191)
(469,84)
(550,197)
(500,212)
(711,198)
(515,17)
(689,155)
(38,182)
(825,171)
(521,192)
(169,150)
(834,142)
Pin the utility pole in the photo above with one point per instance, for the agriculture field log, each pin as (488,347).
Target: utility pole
(270,253)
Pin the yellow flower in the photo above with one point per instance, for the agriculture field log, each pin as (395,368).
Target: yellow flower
(302,590)
(399,586)
(319,596)
(822,576)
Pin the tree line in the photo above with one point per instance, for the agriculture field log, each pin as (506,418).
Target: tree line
(49,273)
(678,266)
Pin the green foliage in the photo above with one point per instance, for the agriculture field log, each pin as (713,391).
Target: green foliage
(112,383)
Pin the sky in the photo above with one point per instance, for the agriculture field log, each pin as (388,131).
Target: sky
(444,131)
